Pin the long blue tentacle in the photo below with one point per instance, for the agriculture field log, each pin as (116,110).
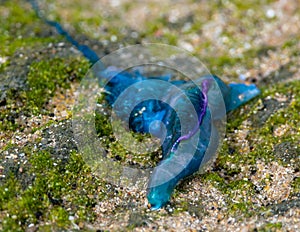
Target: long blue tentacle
(84,49)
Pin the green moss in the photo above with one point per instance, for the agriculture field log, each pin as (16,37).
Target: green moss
(270,227)
(259,51)
(153,26)
(43,79)
(296,185)
(64,189)
(9,46)
(58,191)
(3,65)
(118,150)
(6,124)
(240,208)
(215,179)
(59,216)
(261,142)
(46,76)
(17,13)
(238,197)
(218,65)
(171,39)
(288,116)
(245,5)
(20,28)
(102,125)
(235,191)
(8,191)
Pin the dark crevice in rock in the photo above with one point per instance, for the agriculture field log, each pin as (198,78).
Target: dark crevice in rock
(283,207)
(270,106)
(59,140)
(287,152)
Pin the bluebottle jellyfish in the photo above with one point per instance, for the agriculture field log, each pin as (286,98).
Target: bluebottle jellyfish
(175,165)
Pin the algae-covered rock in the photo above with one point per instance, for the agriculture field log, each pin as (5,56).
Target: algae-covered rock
(254,185)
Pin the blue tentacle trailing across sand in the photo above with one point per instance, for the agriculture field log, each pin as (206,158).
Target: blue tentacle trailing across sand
(180,159)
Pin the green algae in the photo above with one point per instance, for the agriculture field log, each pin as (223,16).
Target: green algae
(45,77)
(58,192)
(35,204)
(270,227)
(21,31)
(230,160)
(296,186)
(20,28)
(117,150)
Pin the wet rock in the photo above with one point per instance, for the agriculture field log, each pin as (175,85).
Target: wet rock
(269,107)
(15,163)
(287,152)
(137,219)
(284,206)
(14,78)
(197,210)
(277,76)
(59,140)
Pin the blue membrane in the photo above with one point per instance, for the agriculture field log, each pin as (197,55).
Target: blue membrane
(234,95)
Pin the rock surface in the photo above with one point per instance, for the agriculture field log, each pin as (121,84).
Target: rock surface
(254,185)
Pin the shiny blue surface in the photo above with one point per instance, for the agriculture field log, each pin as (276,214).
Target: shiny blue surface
(234,95)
